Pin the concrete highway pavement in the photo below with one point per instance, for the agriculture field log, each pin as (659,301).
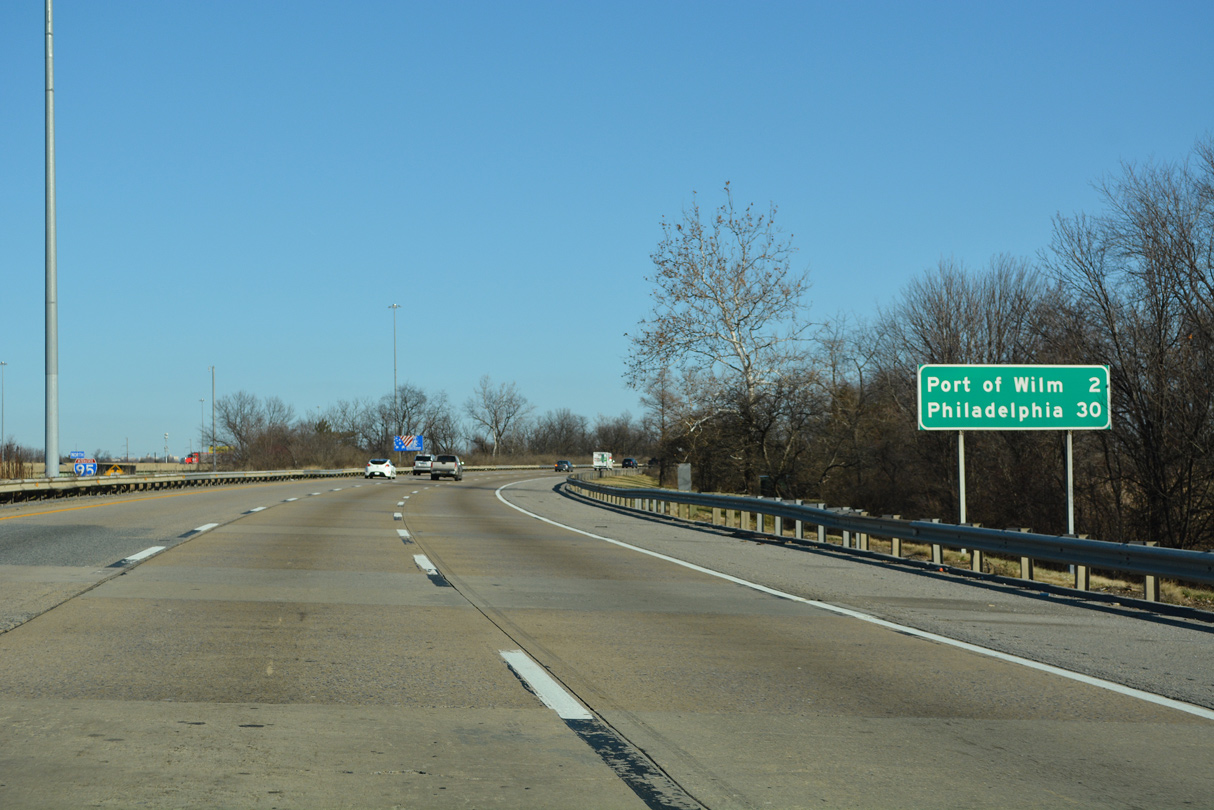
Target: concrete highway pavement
(418,644)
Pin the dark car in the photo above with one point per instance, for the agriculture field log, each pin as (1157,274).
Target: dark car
(629,462)
(562,466)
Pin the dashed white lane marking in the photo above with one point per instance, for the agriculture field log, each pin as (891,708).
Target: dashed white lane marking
(313,493)
(545,687)
(143,555)
(402,503)
(404,534)
(1159,700)
(423,562)
(418,490)
(206,527)
(255,509)
(397,516)
(336,489)
(288,500)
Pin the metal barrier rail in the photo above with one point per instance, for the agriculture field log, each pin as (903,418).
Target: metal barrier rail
(1084,554)
(65,486)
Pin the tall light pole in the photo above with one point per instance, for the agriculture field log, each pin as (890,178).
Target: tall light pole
(3,442)
(395,412)
(214,449)
(52,284)
(202,429)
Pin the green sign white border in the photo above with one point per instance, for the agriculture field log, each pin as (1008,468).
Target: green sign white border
(1103,397)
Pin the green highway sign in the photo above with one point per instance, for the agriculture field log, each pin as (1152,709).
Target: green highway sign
(998,397)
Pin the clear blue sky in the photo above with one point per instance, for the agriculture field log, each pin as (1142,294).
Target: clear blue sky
(249,184)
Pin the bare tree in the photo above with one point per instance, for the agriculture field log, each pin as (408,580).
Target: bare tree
(728,314)
(1141,281)
(500,410)
(560,432)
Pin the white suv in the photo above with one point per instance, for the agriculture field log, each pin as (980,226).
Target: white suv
(422,464)
(382,467)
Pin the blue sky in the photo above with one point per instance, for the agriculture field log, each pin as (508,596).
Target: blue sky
(251,184)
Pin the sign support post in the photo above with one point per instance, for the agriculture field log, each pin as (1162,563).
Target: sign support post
(961,470)
(1006,397)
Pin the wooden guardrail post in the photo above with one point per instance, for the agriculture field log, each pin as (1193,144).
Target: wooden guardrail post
(1083,574)
(1026,563)
(937,549)
(1150,585)
(895,543)
(975,554)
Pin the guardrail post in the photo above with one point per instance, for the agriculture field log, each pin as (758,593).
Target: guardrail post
(1083,574)
(1026,563)
(862,537)
(937,549)
(1150,586)
(975,554)
(778,524)
(798,527)
(895,543)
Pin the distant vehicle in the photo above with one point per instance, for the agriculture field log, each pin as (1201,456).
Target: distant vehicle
(447,467)
(602,460)
(562,466)
(192,458)
(422,464)
(380,468)
(629,463)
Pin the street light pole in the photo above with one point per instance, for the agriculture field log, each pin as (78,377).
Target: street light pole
(214,449)
(395,411)
(52,282)
(3,441)
(202,429)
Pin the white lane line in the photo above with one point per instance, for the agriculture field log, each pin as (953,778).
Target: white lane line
(423,562)
(143,555)
(404,534)
(417,490)
(402,503)
(288,500)
(336,489)
(1160,700)
(255,509)
(310,494)
(397,516)
(206,527)
(545,687)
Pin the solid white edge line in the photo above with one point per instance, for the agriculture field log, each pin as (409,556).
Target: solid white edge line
(423,562)
(1129,691)
(143,555)
(545,687)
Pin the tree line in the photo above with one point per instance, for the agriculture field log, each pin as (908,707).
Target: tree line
(496,422)
(741,384)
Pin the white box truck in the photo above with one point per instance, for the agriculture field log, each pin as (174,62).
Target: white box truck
(602,460)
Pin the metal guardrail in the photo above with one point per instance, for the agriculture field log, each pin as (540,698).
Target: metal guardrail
(65,486)
(857,527)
